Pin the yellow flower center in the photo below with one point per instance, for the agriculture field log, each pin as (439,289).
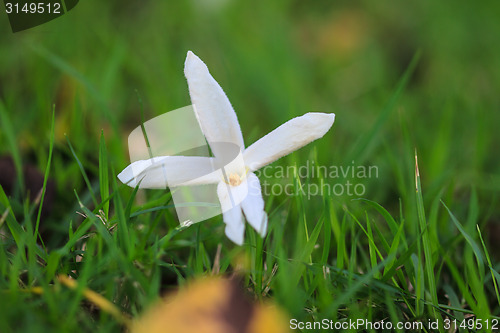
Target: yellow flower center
(234,179)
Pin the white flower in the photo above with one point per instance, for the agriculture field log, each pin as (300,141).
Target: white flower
(239,189)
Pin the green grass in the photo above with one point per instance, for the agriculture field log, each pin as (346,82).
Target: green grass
(418,245)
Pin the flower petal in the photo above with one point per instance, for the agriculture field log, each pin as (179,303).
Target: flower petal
(235,226)
(167,171)
(253,205)
(215,114)
(290,136)
(231,212)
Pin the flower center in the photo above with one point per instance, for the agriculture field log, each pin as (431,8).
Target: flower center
(234,179)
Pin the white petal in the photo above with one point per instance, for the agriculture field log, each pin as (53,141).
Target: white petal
(235,227)
(215,114)
(253,205)
(164,171)
(231,213)
(290,136)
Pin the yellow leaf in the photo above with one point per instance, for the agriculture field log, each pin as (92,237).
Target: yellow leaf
(211,305)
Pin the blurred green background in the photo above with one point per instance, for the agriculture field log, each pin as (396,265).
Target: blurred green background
(275,60)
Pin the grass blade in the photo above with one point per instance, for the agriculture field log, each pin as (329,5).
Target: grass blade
(492,271)
(84,174)
(367,142)
(429,264)
(6,126)
(468,238)
(104,174)
(47,171)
